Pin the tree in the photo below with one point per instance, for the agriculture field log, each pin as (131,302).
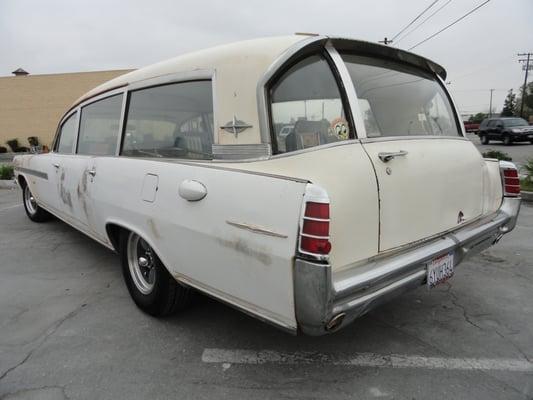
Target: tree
(528,103)
(476,119)
(509,105)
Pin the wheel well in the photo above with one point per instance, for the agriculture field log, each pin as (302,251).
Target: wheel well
(113,232)
(21,181)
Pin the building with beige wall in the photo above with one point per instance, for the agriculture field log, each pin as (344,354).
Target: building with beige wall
(31,105)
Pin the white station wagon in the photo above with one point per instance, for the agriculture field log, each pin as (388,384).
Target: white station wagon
(302,179)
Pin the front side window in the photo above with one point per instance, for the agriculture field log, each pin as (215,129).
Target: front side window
(67,135)
(514,122)
(306,107)
(396,100)
(99,127)
(174,120)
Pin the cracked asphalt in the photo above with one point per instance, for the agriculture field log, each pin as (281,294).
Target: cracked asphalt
(68,330)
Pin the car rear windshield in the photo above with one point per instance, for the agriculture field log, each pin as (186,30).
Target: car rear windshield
(515,122)
(397,100)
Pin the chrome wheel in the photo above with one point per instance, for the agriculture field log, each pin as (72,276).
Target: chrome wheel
(29,201)
(141,262)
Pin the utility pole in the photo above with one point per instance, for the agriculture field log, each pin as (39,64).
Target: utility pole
(526,67)
(386,41)
(490,106)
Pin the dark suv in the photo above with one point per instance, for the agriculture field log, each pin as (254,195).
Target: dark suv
(508,130)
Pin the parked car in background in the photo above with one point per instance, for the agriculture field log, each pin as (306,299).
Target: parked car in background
(179,169)
(471,127)
(506,130)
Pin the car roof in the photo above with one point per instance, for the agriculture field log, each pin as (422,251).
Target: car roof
(250,59)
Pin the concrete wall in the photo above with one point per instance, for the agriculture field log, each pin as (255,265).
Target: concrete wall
(32,105)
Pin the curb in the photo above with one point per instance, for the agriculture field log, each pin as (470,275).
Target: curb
(527,196)
(7,184)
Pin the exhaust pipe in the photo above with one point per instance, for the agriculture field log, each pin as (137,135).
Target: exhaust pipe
(335,322)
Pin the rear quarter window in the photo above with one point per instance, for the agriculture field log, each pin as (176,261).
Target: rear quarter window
(306,107)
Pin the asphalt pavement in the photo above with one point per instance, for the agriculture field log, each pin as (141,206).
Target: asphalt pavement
(68,330)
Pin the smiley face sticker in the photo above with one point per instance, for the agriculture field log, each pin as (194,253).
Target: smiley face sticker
(339,127)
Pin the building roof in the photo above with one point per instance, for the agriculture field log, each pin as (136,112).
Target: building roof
(20,71)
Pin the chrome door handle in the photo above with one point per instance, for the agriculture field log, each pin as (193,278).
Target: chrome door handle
(56,165)
(387,156)
(192,190)
(92,172)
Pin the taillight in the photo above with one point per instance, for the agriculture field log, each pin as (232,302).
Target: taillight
(510,179)
(314,235)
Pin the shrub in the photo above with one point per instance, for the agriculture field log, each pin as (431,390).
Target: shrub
(33,141)
(3,149)
(500,155)
(14,144)
(6,172)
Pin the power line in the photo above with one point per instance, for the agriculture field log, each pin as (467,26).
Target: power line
(414,20)
(423,21)
(450,25)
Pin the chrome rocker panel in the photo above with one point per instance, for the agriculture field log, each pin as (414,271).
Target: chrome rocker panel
(327,301)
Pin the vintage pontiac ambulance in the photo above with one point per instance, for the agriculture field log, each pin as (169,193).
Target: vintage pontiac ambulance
(302,179)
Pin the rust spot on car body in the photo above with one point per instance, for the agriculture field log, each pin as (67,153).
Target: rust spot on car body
(64,194)
(82,192)
(241,246)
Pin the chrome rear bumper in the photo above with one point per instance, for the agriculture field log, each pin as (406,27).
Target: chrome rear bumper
(326,300)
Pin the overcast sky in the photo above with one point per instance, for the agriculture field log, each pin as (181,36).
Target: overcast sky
(55,36)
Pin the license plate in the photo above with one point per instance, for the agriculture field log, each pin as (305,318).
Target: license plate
(439,270)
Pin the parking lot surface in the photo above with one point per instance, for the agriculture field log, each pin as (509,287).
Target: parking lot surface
(68,330)
(519,152)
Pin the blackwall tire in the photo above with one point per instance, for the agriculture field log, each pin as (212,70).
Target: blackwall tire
(150,285)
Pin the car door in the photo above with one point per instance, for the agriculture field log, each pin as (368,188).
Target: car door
(429,175)
(98,136)
(48,190)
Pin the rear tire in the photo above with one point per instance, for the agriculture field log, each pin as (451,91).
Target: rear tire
(531,141)
(33,211)
(150,285)
(484,139)
(507,140)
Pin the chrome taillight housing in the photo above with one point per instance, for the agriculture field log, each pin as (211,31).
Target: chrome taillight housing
(510,179)
(314,237)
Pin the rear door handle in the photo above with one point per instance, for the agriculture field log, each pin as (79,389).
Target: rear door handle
(387,156)
(192,190)
(56,165)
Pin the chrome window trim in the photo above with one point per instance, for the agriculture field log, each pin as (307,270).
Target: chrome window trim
(262,89)
(455,109)
(349,90)
(121,91)
(171,79)
(59,129)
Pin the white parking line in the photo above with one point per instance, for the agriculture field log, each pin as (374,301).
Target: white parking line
(238,356)
(10,207)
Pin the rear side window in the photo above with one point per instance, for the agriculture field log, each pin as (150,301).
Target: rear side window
(99,127)
(306,107)
(492,122)
(67,135)
(173,121)
(396,100)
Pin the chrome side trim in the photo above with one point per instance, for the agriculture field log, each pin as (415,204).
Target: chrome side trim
(256,229)
(33,172)
(321,294)
(349,89)
(239,152)
(377,139)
